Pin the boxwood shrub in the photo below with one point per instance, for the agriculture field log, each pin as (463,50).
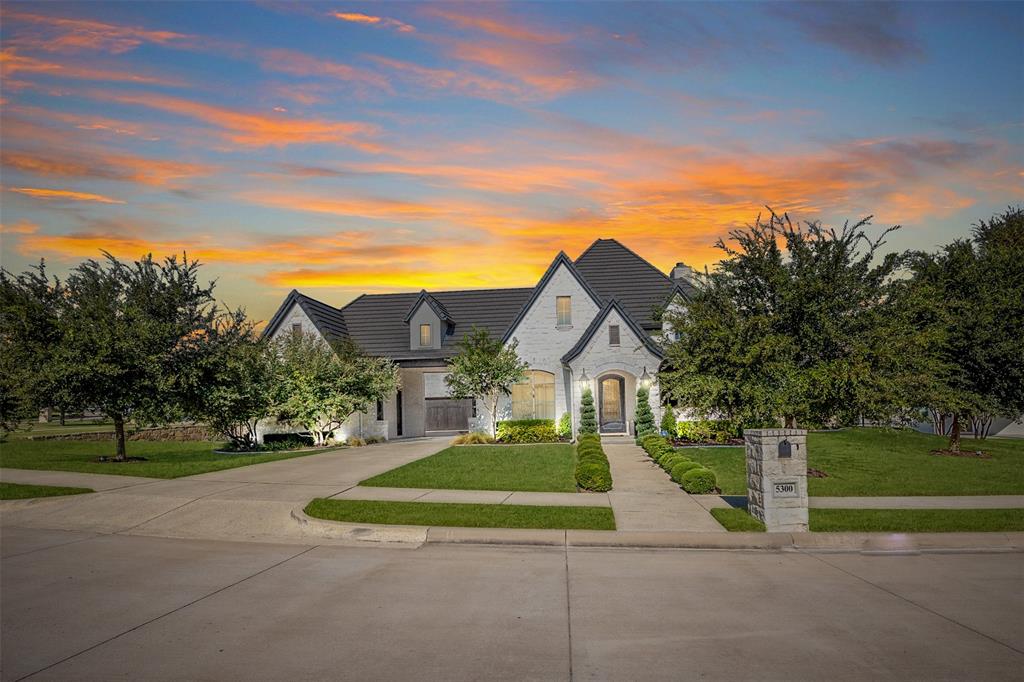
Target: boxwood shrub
(592,470)
(681,468)
(527,431)
(699,481)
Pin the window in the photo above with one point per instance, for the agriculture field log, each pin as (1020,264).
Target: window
(534,397)
(474,408)
(296,328)
(563,311)
(380,410)
(613,334)
(425,335)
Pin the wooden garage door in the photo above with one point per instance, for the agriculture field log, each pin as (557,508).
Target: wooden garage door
(446,414)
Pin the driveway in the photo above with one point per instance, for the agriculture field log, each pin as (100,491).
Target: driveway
(82,606)
(250,503)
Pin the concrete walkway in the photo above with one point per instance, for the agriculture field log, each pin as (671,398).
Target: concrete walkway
(474,496)
(643,497)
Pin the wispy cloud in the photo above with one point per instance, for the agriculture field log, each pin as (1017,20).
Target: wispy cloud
(372,20)
(67,34)
(13,63)
(879,32)
(63,195)
(101,165)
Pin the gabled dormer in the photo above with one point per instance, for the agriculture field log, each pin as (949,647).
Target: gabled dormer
(429,323)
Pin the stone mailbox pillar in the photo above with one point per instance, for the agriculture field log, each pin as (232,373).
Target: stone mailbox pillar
(777,478)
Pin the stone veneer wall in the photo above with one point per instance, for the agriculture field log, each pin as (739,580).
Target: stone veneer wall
(178,433)
(770,497)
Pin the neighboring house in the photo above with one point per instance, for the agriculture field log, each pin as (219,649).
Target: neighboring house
(590,322)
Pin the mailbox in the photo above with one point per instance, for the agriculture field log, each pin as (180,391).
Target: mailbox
(785,449)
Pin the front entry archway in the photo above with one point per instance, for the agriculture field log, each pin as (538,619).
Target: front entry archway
(612,404)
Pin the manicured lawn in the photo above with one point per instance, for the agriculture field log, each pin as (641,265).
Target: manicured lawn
(890,520)
(917,520)
(464,515)
(18,491)
(872,462)
(169,459)
(539,468)
(54,428)
(737,520)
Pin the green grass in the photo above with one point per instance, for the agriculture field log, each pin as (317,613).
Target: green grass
(917,520)
(889,520)
(166,459)
(464,515)
(737,520)
(872,462)
(28,430)
(538,468)
(17,491)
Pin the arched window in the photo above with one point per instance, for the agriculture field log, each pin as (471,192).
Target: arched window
(534,397)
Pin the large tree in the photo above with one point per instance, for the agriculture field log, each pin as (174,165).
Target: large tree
(977,287)
(797,323)
(323,384)
(485,368)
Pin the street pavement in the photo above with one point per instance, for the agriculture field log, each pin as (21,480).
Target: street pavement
(86,606)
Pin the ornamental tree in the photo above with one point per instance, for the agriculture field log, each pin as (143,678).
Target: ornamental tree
(797,323)
(588,415)
(323,384)
(485,368)
(644,415)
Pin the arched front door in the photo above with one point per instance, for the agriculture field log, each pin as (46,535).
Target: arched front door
(612,404)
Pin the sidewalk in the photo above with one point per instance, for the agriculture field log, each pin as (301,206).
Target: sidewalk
(644,498)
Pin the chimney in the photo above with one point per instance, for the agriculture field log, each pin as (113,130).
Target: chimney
(683,273)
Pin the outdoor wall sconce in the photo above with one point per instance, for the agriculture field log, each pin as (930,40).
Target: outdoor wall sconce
(645,379)
(584,379)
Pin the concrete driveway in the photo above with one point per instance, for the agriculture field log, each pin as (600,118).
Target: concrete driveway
(80,606)
(252,503)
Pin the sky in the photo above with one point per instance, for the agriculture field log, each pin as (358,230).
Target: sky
(343,148)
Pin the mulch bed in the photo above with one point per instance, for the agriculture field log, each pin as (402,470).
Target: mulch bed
(112,460)
(816,473)
(976,454)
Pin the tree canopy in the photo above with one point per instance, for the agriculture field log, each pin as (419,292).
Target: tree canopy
(485,368)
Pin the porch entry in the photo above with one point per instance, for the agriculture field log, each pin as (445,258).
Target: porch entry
(612,402)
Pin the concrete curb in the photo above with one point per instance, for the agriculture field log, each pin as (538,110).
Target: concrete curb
(867,543)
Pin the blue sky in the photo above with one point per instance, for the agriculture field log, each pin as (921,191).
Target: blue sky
(348,147)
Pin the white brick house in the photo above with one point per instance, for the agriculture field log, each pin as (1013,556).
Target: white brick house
(593,322)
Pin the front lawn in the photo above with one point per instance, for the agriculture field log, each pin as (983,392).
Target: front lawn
(889,520)
(165,459)
(877,462)
(18,491)
(536,468)
(463,515)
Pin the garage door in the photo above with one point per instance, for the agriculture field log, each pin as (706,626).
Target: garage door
(446,414)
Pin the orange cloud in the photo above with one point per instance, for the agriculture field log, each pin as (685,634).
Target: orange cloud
(501,28)
(384,209)
(255,130)
(462,82)
(20,227)
(146,171)
(64,34)
(12,63)
(368,19)
(299,64)
(63,194)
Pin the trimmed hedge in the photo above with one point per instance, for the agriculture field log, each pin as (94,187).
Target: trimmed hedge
(699,481)
(681,468)
(592,470)
(527,431)
(707,431)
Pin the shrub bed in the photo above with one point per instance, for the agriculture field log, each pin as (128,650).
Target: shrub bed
(592,470)
(713,431)
(527,431)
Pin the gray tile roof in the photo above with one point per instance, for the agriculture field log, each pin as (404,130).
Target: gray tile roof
(615,271)
(327,319)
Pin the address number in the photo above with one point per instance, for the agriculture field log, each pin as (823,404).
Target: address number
(786,489)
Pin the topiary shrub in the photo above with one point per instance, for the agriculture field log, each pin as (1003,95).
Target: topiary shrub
(699,481)
(668,422)
(594,477)
(588,415)
(644,416)
(680,468)
(564,429)
(527,431)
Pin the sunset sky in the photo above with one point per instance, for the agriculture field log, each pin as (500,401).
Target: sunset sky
(343,148)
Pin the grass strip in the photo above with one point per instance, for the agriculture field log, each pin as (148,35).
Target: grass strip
(535,468)
(18,491)
(463,515)
(737,520)
(917,520)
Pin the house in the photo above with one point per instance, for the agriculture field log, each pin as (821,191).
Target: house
(590,322)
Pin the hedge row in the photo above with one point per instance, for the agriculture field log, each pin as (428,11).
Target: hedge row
(693,477)
(708,431)
(527,431)
(592,470)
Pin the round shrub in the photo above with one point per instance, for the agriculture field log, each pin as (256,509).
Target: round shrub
(592,457)
(671,459)
(680,468)
(594,477)
(699,481)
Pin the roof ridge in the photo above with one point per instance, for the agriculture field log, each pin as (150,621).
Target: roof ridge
(631,252)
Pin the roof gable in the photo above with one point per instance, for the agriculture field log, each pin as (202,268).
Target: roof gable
(328,320)
(615,271)
(561,260)
(435,305)
(598,322)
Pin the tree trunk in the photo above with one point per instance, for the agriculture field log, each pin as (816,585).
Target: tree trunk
(494,416)
(62,416)
(954,433)
(119,436)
